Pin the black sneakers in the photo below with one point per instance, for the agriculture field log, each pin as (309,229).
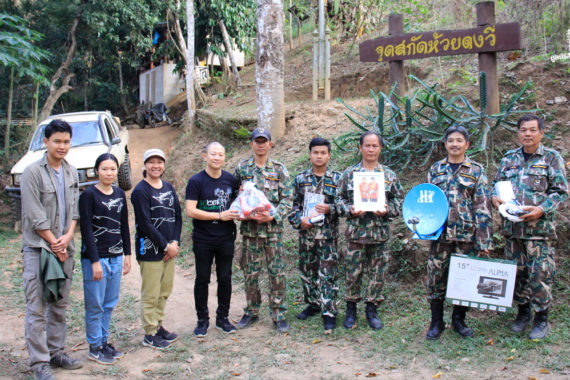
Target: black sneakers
(201,329)
(166,335)
(64,361)
(225,325)
(155,341)
(99,355)
(110,350)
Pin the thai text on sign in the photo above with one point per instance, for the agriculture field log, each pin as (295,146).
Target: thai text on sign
(500,37)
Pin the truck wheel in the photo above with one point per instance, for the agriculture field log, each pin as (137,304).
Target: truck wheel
(124,176)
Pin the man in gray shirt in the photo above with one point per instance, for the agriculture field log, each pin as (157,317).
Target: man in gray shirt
(50,192)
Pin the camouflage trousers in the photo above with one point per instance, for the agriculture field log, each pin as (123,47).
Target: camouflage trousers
(440,253)
(535,271)
(318,262)
(255,251)
(372,258)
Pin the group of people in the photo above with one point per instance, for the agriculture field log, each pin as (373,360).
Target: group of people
(51,208)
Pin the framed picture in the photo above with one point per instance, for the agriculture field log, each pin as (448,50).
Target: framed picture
(369,191)
(483,283)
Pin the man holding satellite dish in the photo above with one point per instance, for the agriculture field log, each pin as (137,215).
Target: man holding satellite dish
(469,226)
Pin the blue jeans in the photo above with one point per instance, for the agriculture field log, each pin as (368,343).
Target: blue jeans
(100,297)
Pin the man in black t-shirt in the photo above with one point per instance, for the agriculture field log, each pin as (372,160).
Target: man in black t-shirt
(208,198)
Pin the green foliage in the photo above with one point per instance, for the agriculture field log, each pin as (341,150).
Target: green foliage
(413,127)
(18,49)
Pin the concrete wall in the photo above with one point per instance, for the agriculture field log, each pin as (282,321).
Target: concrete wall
(160,84)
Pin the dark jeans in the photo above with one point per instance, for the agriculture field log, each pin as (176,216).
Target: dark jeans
(204,254)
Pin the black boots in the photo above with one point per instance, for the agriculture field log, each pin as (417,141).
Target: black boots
(458,321)
(308,312)
(523,318)
(329,323)
(437,325)
(540,325)
(372,317)
(350,317)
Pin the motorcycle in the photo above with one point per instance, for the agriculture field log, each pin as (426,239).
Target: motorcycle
(152,116)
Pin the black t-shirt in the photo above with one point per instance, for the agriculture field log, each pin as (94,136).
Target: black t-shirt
(526,155)
(158,219)
(104,224)
(212,195)
(454,166)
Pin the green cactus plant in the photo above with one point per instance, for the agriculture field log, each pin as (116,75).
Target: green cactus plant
(413,127)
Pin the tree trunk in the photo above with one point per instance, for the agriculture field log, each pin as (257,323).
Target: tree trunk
(184,51)
(290,18)
(36,101)
(9,114)
(229,52)
(190,71)
(121,87)
(56,92)
(269,67)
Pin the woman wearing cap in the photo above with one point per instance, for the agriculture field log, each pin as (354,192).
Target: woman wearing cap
(158,222)
(469,226)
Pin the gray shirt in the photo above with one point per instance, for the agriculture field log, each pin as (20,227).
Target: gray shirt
(40,210)
(60,191)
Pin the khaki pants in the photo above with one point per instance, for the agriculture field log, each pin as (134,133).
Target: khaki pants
(157,282)
(45,328)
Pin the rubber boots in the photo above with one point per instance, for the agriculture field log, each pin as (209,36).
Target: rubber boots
(458,321)
(372,317)
(523,318)
(437,325)
(350,317)
(540,326)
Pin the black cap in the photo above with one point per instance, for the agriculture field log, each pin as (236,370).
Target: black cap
(261,132)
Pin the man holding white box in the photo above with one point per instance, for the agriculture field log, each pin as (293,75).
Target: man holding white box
(539,184)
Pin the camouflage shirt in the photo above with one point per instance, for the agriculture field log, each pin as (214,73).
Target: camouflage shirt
(274,181)
(308,182)
(369,228)
(467,191)
(540,181)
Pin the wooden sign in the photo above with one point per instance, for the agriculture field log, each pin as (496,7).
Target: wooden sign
(500,37)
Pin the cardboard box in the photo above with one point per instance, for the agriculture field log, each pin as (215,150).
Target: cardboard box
(483,283)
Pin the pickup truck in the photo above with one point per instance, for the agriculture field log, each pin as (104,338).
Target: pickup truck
(94,133)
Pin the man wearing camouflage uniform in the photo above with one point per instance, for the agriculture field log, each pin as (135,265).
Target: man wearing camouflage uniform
(367,233)
(539,183)
(318,256)
(262,233)
(469,226)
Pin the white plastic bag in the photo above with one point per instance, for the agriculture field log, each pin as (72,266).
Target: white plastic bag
(252,201)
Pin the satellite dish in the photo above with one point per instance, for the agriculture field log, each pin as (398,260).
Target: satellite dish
(425,211)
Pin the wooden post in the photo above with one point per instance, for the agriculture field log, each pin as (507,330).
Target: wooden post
(315,65)
(327,64)
(395,27)
(488,61)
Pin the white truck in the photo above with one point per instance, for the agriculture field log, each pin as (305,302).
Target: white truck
(94,133)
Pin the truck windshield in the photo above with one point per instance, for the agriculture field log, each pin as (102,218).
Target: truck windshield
(84,133)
